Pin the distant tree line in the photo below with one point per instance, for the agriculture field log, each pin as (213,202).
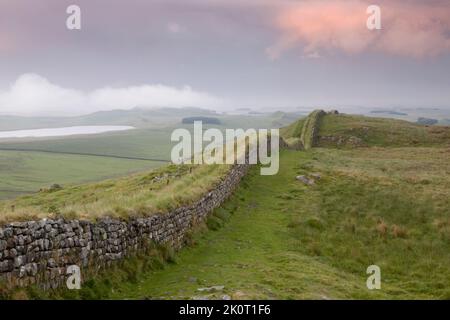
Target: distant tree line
(427,121)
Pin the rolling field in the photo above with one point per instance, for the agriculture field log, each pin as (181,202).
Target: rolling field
(381,132)
(27,172)
(141,194)
(66,160)
(140,143)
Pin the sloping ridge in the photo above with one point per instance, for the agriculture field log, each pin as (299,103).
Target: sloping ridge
(310,129)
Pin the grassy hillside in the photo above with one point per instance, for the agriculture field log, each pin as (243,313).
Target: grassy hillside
(145,143)
(342,130)
(140,194)
(257,254)
(286,240)
(383,199)
(31,170)
(348,130)
(291,133)
(411,114)
(27,172)
(278,238)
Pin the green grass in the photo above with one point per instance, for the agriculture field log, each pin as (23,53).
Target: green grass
(141,194)
(291,134)
(279,239)
(27,172)
(276,238)
(253,253)
(383,206)
(381,132)
(144,143)
(368,131)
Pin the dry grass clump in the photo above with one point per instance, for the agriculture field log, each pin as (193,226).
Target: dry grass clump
(382,228)
(144,194)
(399,231)
(394,230)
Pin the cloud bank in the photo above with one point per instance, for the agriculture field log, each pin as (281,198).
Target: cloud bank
(34,95)
(410,29)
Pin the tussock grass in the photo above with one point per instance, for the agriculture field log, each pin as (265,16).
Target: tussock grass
(381,132)
(279,239)
(282,239)
(370,212)
(157,191)
(291,134)
(294,130)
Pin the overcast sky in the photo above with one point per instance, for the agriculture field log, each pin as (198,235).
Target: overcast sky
(222,54)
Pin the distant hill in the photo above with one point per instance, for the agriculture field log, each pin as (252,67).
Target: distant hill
(204,120)
(344,130)
(149,118)
(137,117)
(427,121)
(390,112)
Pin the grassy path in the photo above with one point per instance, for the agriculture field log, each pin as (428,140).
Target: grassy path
(254,255)
(278,238)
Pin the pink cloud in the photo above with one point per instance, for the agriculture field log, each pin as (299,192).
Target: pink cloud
(323,27)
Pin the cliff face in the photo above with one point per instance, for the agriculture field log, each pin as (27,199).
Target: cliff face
(39,252)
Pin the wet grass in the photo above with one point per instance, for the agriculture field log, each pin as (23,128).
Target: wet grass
(142,194)
(280,239)
(382,132)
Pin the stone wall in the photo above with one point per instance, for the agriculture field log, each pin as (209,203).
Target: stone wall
(39,252)
(310,131)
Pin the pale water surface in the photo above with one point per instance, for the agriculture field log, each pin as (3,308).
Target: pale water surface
(59,132)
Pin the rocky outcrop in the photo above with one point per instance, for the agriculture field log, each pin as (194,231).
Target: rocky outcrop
(39,252)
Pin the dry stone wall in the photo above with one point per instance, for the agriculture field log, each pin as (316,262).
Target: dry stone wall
(310,131)
(39,252)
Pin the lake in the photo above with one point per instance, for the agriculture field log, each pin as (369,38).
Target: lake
(60,132)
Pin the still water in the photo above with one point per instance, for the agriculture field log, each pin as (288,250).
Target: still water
(59,132)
